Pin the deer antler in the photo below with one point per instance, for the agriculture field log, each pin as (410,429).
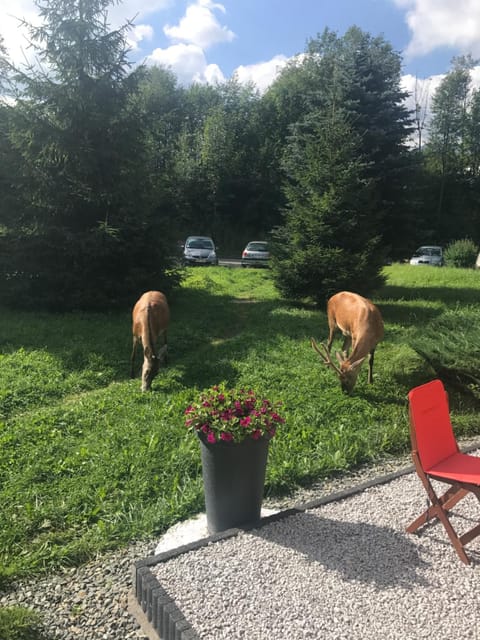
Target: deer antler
(325,355)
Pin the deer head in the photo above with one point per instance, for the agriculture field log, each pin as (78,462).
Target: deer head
(346,371)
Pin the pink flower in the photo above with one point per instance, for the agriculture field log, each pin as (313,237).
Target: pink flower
(205,428)
(244,422)
(256,434)
(189,409)
(205,403)
(188,422)
(227,436)
(211,437)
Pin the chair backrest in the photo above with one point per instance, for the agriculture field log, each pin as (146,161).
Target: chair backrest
(430,426)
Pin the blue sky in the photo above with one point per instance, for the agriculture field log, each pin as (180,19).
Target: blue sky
(208,41)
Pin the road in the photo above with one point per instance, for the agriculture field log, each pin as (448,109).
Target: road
(229,262)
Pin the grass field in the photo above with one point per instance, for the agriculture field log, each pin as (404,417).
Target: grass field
(88,462)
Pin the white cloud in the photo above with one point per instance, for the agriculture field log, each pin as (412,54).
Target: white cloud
(15,35)
(138,34)
(440,23)
(188,63)
(196,31)
(263,73)
(199,26)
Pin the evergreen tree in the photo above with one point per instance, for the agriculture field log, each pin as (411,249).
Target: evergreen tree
(87,237)
(347,162)
(452,156)
(331,238)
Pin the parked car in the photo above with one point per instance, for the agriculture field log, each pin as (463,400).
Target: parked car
(256,254)
(431,255)
(199,250)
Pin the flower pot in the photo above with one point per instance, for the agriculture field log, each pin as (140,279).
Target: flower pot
(233,478)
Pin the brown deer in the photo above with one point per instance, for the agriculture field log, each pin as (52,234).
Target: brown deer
(151,316)
(361,323)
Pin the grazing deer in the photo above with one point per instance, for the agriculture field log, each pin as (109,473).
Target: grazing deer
(150,316)
(361,323)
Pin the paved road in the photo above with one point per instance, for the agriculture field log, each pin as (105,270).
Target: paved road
(229,262)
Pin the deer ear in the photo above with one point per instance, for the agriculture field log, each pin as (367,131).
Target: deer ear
(357,363)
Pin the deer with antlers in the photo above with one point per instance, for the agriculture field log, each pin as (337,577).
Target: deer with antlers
(150,316)
(361,323)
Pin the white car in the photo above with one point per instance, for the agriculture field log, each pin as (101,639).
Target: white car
(428,254)
(256,254)
(199,250)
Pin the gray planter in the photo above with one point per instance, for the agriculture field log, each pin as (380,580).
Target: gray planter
(233,478)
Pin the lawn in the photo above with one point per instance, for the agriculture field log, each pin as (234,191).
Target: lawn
(88,462)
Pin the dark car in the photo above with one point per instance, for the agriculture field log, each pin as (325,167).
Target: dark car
(256,254)
(199,250)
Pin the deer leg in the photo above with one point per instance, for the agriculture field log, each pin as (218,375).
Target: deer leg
(347,343)
(134,348)
(330,338)
(370,366)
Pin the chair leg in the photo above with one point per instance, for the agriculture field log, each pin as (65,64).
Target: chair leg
(447,501)
(439,509)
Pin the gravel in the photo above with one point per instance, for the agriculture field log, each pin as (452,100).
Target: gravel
(345,570)
(330,572)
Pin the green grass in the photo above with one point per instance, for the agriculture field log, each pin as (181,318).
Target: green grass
(18,623)
(88,462)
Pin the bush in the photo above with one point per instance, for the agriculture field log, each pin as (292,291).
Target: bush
(461,254)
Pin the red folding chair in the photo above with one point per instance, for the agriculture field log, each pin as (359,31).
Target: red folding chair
(437,457)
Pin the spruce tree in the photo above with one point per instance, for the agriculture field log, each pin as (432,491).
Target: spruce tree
(346,164)
(86,237)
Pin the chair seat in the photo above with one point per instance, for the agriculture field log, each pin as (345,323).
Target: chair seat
(459,467)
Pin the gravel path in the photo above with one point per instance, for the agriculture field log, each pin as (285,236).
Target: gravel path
(89,603)
(345,571)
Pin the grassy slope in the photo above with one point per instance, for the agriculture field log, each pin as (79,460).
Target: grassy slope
(88,462)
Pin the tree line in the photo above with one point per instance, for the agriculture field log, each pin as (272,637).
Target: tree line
(104,168)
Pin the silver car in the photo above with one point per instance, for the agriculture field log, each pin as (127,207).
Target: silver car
(431,255)
(199,250)
(256,254)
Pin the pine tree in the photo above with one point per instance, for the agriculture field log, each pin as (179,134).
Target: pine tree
(347,163)
(87,237)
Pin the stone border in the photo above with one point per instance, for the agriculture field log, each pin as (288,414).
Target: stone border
(157,613)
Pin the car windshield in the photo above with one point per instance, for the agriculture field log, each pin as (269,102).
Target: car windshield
(257,246)
(200,243)
(428,251)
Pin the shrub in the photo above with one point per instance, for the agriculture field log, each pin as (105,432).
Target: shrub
(461,254)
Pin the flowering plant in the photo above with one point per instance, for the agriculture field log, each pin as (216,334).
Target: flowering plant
(231,415)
